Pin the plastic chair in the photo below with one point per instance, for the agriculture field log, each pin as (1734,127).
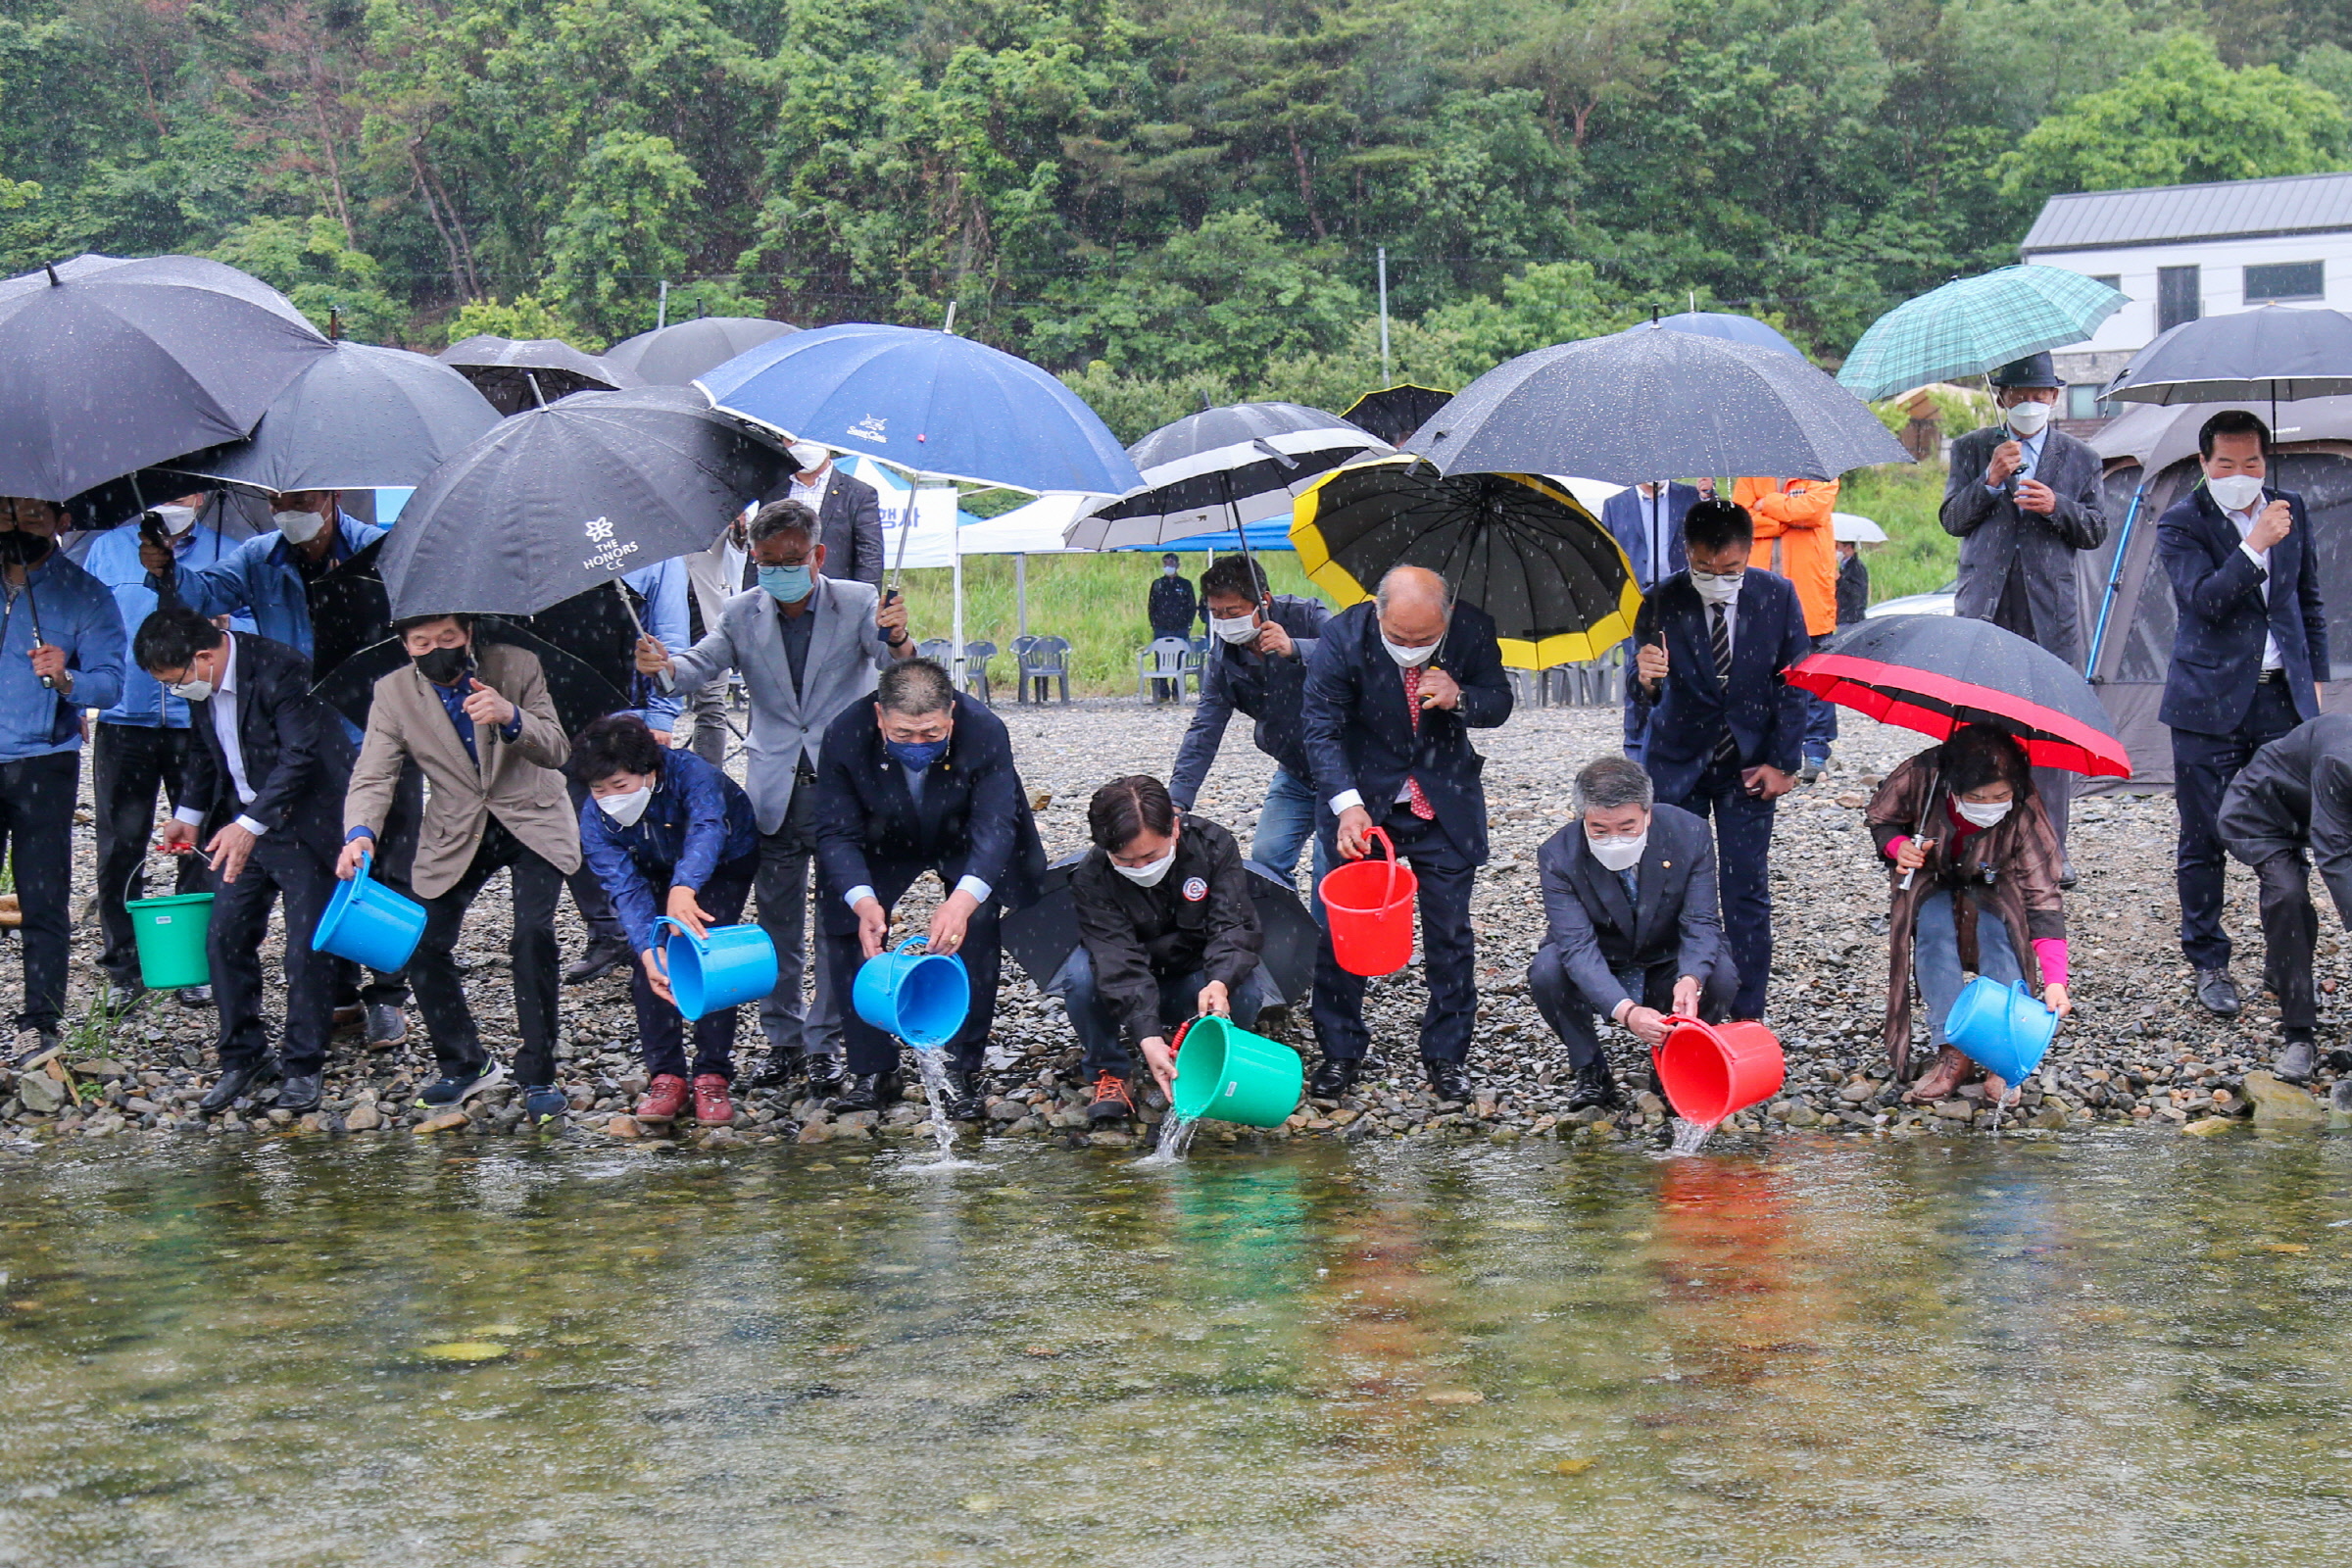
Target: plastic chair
(975,667)
(1019,649)
(936,648)
(1167,660)
(1045,659)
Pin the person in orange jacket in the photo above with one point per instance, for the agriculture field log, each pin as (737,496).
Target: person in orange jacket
(1794,537)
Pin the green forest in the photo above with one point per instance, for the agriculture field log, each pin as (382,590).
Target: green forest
(1161,199)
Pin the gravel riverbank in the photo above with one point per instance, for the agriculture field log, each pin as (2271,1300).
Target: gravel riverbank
(2139,1049)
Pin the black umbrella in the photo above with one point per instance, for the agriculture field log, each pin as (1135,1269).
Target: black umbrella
(581,691)
(109,365)
(359,418)
(349,607)
(1044,934)
(2276,354)
(1223,469)
(1652,404)
(674,355)
(518,374)
(1516,545)
(1395,412)
(557,501)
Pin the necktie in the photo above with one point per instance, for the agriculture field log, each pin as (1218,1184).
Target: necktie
(1417,802)
(1719,632)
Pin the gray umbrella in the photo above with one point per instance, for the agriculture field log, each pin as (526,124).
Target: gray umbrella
(1651,404)
(674,355)
(1223,469)
(529,372)
(360,419)
(2276,354)
(107,365)
(560,500)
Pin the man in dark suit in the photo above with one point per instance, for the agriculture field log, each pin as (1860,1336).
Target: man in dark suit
(2250,646)
(1632,931)
(1392,693)
(2024,502)
(921,781)
(2291,806)
(270,769)
(1170,606)
(849,516)
(1726,732)
(1649,528)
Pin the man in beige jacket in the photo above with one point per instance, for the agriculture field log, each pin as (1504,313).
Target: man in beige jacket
(477,720)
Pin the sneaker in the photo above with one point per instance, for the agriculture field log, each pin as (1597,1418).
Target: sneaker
(452,1090)
(663,1098)
(1813,768)
(543,1103)
(386,1026)
(601,959)
(711,1106)
(1112,1103)
(194,995)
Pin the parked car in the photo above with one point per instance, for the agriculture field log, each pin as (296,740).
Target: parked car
(1939,602)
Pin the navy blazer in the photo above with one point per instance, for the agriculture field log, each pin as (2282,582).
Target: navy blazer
(1622,515)
(298,754)
(1268,690)
(1359,736)
(1674,918)
(1686,719)
(974,819)
(2227,606)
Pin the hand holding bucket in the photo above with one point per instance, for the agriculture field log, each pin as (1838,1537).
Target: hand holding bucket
(923,998)
(1230,1074)
(724,967)
(1370,907)
(170,932)
(368,923)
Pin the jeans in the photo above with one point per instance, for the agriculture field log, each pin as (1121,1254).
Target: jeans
(1448,949)
(1098,1026)
(2290,934)
(786,857)
(2202,767)
(1577,1022)
(36,828)
(660,1028)
(1744,870)
(1821,715)
(441,995)
(1936,957)
(286,868)
(1285,824)
(128,764)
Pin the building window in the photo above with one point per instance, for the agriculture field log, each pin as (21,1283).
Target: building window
(2283,281)
(2082,402)
(2178,297)
(2114,280)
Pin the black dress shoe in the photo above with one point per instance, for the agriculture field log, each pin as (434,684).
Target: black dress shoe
(298,1093)
(233,1085)
(868,1090)
(962,1097)
(2219,993)
(780,1068)
(1334,1078)
(1596,1085)
(824,1075)
(601,959)
(1446,1079)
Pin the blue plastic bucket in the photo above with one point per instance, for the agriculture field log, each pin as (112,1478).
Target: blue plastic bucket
(2002,1028)
(368,923)
(731,965)
(923,998)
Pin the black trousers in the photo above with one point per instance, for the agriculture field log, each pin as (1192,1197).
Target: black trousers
(1577,1022)
(1449,949)
(2202,767)
(395,854)
(1743,871)
(129,764)
(433,971)
(283,868)
(2290,937)
(868,1049)
(36,829)
(661,1027)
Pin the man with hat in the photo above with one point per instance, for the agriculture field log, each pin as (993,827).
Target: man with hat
(2024,502)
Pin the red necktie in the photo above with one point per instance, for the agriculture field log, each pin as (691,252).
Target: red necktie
(1417,802)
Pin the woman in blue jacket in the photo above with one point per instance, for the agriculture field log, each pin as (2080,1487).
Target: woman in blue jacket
(667,834)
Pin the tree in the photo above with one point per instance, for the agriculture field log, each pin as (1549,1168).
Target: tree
(306,260)
(617,237)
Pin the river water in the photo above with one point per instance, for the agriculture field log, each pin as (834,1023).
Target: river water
(2116,1350)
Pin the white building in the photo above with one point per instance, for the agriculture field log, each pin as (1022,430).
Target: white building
(2182,251)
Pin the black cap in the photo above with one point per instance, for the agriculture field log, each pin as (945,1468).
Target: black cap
(2035,370)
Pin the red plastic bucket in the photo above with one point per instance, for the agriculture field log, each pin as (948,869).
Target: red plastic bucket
(1369,904)
(1711,1073)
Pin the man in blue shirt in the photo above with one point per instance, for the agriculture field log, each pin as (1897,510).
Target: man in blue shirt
(61,651)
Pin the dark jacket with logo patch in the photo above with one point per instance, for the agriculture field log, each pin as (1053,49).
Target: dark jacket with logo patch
(1198,917)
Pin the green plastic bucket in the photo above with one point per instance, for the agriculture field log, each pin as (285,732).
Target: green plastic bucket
(1226,1073)
(170,933)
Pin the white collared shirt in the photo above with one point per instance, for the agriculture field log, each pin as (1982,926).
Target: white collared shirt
(811,496)
(224,707)
(2243,523)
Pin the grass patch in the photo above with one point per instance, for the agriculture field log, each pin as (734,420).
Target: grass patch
(1918,557)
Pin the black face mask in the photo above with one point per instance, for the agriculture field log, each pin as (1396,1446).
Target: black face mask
(445,667)
(21,549)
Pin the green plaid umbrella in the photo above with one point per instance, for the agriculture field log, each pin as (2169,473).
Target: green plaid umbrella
(1975,325)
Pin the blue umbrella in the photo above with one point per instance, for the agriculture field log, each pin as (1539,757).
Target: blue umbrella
(930,402)
(1272,534)
(1731,329)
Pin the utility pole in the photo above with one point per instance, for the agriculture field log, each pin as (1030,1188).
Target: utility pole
(949,325)
(661,308)
(1384,376)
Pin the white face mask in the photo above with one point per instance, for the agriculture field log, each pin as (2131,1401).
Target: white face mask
(299,527)
(1717,589)
(2027,417)
(1240,629)
(1409,658)
(192,691)
(1147,876)
(626,809)
(2235,492)
(1167,571)
(1983,815)
(1619,854)
(176,521)
(809,455)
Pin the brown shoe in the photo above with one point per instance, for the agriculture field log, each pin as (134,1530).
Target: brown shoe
(664,1099)
(711,1106)
(1998,1093)
(1941,1079)
(1112,1103)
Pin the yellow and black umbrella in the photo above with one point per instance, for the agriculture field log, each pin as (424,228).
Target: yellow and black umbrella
(1516,545)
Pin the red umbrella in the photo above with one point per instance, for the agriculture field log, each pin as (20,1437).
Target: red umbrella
(1935,673)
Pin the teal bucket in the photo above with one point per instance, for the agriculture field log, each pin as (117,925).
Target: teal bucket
(368,923)
(2002,1028)
(170,933)
(923,998)
(731,965)
(1226,1073)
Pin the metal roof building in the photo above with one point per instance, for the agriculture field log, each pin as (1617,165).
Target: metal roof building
(2238,208)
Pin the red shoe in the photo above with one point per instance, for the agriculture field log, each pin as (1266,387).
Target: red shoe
(711,1106)
(664,1099)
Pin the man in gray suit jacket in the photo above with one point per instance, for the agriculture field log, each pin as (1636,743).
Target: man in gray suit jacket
(2024,502)
(807,646)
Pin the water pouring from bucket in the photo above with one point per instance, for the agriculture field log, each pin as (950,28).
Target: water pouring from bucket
(1226,1073)
(921,997)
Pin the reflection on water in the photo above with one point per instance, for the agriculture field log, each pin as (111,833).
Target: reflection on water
(2125,1351)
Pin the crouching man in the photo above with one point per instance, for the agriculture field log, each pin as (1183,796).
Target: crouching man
(1633,931)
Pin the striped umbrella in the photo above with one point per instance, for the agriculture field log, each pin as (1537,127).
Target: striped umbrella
(1975,324)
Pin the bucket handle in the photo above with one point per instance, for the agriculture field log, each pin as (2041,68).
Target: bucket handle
(139,867)
(701,943)
(1390,896)
(1674,1021)
(1176,1039)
